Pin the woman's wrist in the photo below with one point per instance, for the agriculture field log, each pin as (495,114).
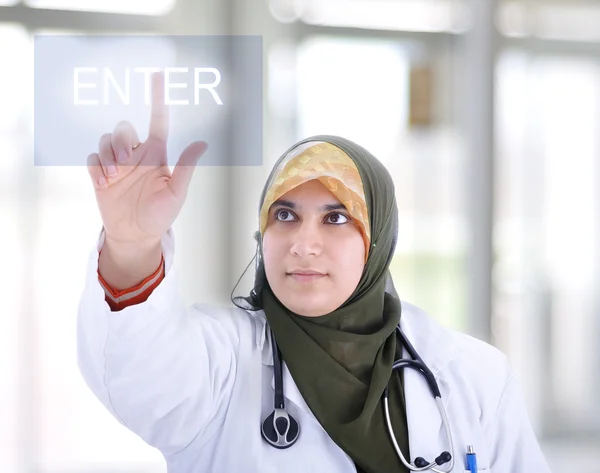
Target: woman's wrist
(126,264)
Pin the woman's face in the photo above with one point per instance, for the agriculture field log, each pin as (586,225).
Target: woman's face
(313,252)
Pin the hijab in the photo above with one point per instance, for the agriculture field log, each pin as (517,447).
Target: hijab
(342,361)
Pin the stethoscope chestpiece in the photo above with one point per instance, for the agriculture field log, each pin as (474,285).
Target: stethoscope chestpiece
(280,429)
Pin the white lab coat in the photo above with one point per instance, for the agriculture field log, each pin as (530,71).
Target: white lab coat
(196,383)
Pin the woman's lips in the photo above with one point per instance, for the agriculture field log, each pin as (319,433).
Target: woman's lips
(306,276)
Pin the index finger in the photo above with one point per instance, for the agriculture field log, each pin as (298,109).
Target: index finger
(159,111)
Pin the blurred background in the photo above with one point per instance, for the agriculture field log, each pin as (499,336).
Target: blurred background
(486,112)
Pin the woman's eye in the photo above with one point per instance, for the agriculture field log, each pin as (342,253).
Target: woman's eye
(337,218)
(284,215)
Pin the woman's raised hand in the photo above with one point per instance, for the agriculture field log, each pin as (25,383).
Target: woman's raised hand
(138,196)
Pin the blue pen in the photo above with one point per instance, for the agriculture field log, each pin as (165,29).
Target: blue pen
(471,459)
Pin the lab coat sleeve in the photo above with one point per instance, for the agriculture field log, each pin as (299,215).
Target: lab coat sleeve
(163,370)
(514,446)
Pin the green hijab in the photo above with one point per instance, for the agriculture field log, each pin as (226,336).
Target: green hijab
(342,361)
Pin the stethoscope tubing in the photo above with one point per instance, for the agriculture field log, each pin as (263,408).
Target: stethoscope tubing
(419,365)
(416,363)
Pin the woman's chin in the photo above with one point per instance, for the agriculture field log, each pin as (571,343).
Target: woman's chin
(308,310)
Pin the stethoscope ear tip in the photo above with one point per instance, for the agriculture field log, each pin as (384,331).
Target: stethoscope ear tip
(444,457)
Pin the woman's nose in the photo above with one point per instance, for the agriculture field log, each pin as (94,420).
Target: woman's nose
(306,240)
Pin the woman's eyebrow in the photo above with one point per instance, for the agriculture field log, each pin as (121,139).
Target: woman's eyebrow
(329,207)
(284,203)
(324,208)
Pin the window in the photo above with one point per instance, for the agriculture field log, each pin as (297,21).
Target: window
(13,278)
(338,78)
(571,21)
(48,228)
(15,98)
(148,7)
(547,269)
(402,15)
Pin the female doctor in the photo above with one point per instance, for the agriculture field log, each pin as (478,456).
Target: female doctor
(322,368)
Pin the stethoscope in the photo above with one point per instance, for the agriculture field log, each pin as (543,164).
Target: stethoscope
(281,430)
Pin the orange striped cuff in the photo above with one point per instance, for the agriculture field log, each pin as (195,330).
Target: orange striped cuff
(119,299)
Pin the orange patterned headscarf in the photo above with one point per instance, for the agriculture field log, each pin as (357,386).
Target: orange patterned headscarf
(334,169)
